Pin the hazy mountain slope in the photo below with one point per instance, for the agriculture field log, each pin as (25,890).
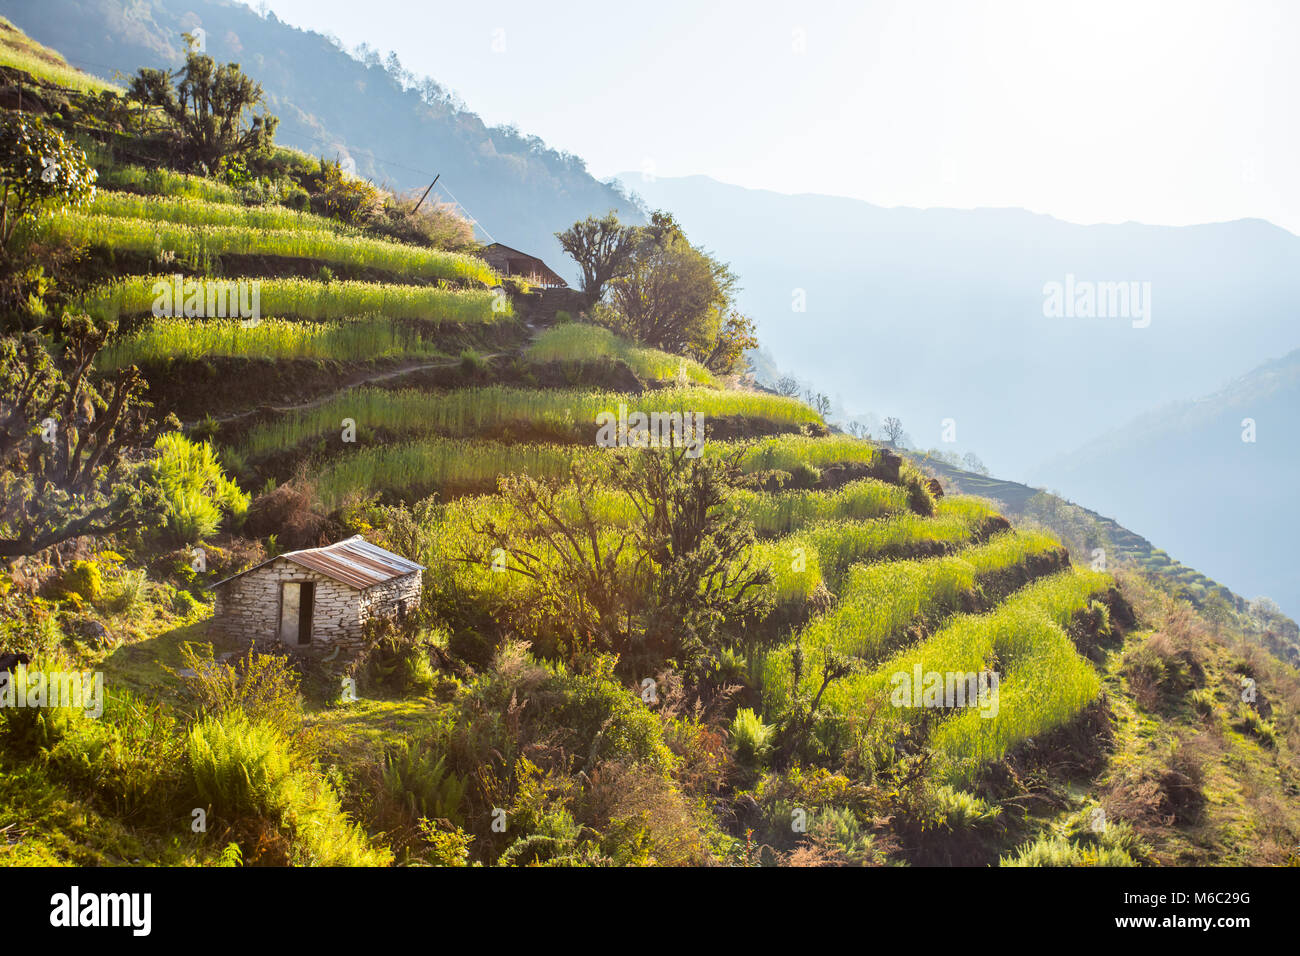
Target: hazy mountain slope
(395,129)
(938,313)
(1183,476)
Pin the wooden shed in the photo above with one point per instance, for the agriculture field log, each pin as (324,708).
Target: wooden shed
(318,600)
(512,262)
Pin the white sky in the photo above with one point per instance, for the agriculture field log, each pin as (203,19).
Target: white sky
(1096,111)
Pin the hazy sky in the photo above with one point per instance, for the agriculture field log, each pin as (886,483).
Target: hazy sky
(1096,111)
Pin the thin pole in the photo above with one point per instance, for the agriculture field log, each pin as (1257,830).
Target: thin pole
(426,192)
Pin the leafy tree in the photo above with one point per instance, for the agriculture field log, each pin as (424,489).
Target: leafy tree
(72,454)
(37,167)
(705,580)
(207,104)
(672,295)
(601,247)
(734,337)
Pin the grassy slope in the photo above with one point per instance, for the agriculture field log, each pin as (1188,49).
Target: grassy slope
(1149,684)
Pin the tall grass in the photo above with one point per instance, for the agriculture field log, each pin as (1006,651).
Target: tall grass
(158,180)
(880,601)
(193,211)
(580,341)
(783,512)
(1044,680)
(195,244)
(412,470)
(468,411)
(57,72)
(168,339)
(312,299)
(786,452)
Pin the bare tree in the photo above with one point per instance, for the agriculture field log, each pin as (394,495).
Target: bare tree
(819,402)
(858,430)
(788,386)
(893,429)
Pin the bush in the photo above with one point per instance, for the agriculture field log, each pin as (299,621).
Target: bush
(751,739)
(196,492)
(418,779)
(84,581)
(242,769)
(263,687)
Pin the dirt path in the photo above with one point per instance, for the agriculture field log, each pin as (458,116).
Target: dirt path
(407,369)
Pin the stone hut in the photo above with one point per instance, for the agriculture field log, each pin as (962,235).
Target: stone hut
(512,262)
(317,601)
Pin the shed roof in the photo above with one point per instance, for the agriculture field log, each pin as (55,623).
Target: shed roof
(354,562)
(499,255)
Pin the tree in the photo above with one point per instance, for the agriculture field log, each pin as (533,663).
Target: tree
(661,588)
(893,429)
(858,430)
(973,463)
(73,455)
(735,336)
(820,403)
(788,386)
(672,296)
(37,167)
(705,579)
(207,106)
(601,247)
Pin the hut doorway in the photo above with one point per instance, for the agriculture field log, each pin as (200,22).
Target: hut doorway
(297,602)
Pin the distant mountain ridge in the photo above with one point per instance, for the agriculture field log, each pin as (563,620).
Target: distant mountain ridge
(934,314)
(1213,480)
(397,128)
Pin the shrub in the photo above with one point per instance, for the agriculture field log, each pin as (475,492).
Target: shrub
(84,580)
(196,492)
(263,687)
(751,739)
(243,769)
(417,777)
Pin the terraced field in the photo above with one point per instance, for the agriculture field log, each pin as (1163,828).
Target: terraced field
(870,571)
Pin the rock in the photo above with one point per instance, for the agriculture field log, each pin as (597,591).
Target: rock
(94,633)
(936,489)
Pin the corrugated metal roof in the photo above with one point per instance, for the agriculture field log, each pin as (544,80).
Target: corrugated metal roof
(354,562)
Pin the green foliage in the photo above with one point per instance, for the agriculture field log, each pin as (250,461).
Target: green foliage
(264,688)
(468,411)
(38,168)
(83,580)
(196,492)
(206,109)
(242,769)
(417,777)
(195,244)
(166,340)
(344,197)
(71,450)
(583,342)
(313,299)
(751,739)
